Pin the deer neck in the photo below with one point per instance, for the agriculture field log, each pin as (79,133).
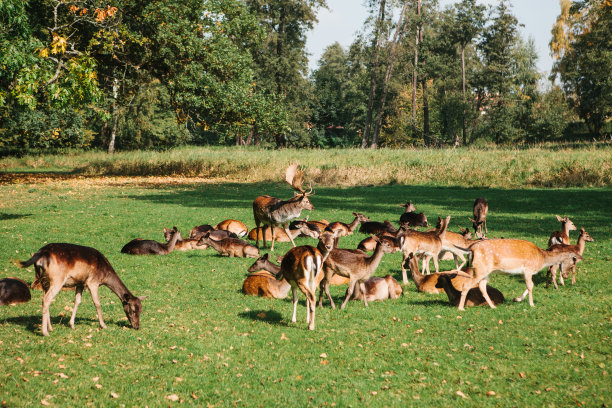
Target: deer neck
(272,268)
(376,257)
(452,293)
(353,224)
(215,244)
(417,276)
(555,257)
(172,243)
(581,243)
(115,284)
(565,228)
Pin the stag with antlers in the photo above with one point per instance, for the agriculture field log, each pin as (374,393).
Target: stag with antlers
(273,211)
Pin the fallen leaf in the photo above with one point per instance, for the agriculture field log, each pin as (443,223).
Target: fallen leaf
(172,347)
(404,345)
(419,331)
(62,375)
(374,392)
(262,315)
(490,393)
(324,362)
(522,375)
(45,402)
(283,337)
(172,397)
(194,396)
(114,394)
(95,379)
(323,355)
(462,395)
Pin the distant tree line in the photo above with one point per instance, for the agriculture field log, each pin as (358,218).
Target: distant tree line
(127,74)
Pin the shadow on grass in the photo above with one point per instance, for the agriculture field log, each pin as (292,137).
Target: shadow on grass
(32,322)
(269,316)
(5,217)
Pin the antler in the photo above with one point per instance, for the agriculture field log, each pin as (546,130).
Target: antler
(295,177)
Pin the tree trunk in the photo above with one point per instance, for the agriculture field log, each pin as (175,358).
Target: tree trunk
(426,137)
(464,120)
(375,49)
(416,63)
(115,117)
(390,62)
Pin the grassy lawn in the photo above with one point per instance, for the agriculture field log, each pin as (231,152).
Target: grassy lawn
(203,342)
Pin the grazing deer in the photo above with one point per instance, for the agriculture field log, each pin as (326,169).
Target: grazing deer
(428,243)
(410,218)
(234,226)
(369,244)
(273,211)
(199,231)
(300,267)
(377,288)
(512,256)
(427,283)
(13,291)
(474,296)
(182,245)
(141,246)
(352,264)
(59,265)
(232,247)
(583,238)
(378,228)
(481,207)
(341,229)
(562,237)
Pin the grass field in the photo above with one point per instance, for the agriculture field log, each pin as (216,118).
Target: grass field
(203,342)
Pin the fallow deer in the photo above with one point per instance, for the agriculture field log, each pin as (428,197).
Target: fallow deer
(262,280)
(341,229)
(353,264)
(369,244)
(410,218)
(481,208)
(451,241)
(273,211)
(235,226)
(182,244)
(474,296)
(232,247)
(199,231)
(562,237)
(378,288)
(427,243)
(583,238)
(280,235)
(378,228)
(140,246)
(315,229)
(58,265)
(427,283)
(13,291)
(512,256)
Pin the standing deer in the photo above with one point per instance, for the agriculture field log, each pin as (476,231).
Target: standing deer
(474,296)
(562,237)
(410,218)
(583,238)
(481,207)
(58,265)
(273,211)
(512,256)
(13,291)
(141,246)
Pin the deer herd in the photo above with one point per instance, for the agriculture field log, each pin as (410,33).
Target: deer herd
(307,267)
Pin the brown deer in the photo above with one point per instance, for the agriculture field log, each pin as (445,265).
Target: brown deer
(235,226)
(562,237)
(481,208)
(141,246)
(451,241)
(182,245)
(199,231)
(314,227)
(410,218)
(427,283)
(59,265)
(427,243)
(378,228)
(232,247)
(280,235)
(378,288)
(352,264)
(272,211)
(474,296)
(369,244)
(13,291)
(300,267)
(341,229)
(583,238)
(262,280)
(512,256)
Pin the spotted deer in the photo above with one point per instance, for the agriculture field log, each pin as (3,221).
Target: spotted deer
(481,208)
(568,265)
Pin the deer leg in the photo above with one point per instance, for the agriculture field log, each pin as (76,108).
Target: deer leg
(483,288)
(435,261)
(310,304)
(295,301)
(463,297)
(405,259)
(561,281)
(463,261)
(273,237)
(363,292)
(529,283)
(425,264)
(286,228)
(93,290)
(257,231)
(553,275)
(573,273)
(78,290)
(349,292)
(46,303)
(321,291)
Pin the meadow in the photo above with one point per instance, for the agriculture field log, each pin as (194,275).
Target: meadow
(202,342)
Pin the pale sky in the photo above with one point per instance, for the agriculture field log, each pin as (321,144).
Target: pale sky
(344,19)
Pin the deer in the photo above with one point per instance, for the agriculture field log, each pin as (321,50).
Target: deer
(182,245)
(449,243)
(199,231)
(583,238)
(377,288)
(60,264)
(474,296)
(369,244)
(513,256)
(262,280)
(562,237)
(300,267)
(314,227)
(232,247)
(272,211)
(301,228)
(427,283)
(481,207)
(341,229)
(141,246)
(14,291)
(410,218)
(378,228)
(428,243)
(353,264)
(235,226)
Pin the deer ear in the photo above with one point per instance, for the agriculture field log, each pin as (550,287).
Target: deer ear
(266,256)
(471,219)
(355,214)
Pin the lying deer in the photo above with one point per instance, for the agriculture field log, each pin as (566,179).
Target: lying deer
(341,229)
(378,228)
(512,256)
(377,288)
(474,296)
(369,244)
(182,245)
(234,226)
(314,227)
(427,283)
(232,247)
(280,235)
(410,218)
(59,265)
(262,280)
(353,264)
(481,207)
(272,211)
(13,291)
(199,231)
(141,246)
(583,238)
(562,237)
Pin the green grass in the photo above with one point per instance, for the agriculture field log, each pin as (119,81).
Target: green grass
(200,336)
